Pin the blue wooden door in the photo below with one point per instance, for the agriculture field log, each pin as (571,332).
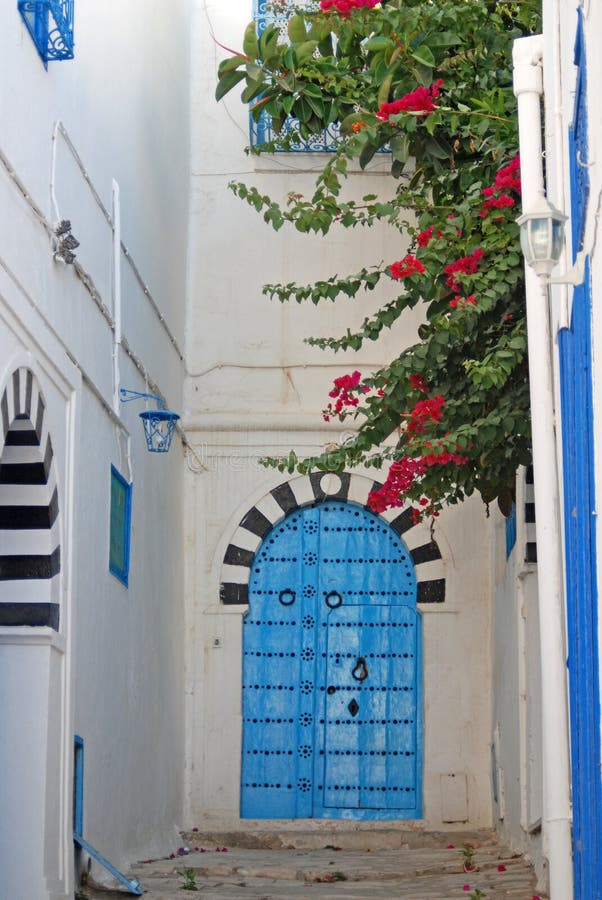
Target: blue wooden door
(332,698)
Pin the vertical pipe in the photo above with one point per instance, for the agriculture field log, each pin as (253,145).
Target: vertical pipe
(528,88)
(116,291)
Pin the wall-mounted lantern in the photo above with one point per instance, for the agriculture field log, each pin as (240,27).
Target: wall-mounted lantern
(159,424)
(542,235)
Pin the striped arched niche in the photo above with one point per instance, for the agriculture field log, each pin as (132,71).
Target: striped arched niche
(314,488)
(30,554)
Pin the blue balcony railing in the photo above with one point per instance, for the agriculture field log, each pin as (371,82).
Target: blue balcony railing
(50,24)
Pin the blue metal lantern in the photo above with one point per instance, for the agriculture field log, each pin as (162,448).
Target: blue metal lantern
(159,424)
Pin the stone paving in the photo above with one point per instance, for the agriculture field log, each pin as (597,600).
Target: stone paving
(359,866)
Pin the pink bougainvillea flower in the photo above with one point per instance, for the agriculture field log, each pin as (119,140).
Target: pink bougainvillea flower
(507,181)
(425,236)
(501,868)
(406,267)
(344,7)
(463,301)
(466,265)
(419,384)
(420,100)
(466,887)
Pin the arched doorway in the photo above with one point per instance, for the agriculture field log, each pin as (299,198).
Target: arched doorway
(332,677)
(30,559)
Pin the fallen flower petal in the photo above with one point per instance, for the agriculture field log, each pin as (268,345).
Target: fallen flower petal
(501,868)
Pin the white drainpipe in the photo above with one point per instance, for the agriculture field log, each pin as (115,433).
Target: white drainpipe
(528,87)
(116,276)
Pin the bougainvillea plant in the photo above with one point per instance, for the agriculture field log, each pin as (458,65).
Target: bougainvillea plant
(431,82)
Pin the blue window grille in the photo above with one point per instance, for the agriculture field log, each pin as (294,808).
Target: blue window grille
(120,526)
(261,131)
(50,24)
(511,531)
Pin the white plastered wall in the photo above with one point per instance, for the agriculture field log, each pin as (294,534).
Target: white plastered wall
(255,389)
(114,673)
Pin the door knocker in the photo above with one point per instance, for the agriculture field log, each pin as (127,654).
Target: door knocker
(333,599)
(360,670)
(287,597)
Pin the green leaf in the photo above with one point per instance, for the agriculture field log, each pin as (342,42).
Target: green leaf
(375,44)
(424,55)
(296,29)
(437,149)
(444,39)
(225,84)
(250,44)
(366,155)
(227,65)
(400,148)
(306,50)
(252,90)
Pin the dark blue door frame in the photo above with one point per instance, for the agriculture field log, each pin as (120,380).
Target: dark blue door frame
(579,506)
(575,357)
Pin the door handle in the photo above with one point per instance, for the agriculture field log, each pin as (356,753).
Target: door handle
(360,670)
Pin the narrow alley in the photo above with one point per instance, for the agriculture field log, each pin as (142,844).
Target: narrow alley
(355,864)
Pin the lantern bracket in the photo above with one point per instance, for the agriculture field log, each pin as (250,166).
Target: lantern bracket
(575,275)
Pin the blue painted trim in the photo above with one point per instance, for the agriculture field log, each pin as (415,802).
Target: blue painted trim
(582,600)
(133,886)
(120,528)
(78,785)
(511,531)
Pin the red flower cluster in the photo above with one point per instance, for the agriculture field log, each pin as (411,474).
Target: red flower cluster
(425,411)
(418,383)
(424,238)
(342,394)
(344,7)
(466,265)
(440,459)
(405,267)
(463,302)
(402,476)
(506,180)
(419,100)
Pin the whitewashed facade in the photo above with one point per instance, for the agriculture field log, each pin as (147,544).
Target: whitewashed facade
(99,660)
(255,389)
(165,296)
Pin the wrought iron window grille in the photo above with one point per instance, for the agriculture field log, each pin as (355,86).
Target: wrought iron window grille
(278,12)
(268,12)
(50,24)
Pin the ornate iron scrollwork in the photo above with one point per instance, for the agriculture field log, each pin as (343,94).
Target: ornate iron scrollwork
(287,597)
(360,669)
(333,599)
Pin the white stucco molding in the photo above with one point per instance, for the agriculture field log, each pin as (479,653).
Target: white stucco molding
(310,489)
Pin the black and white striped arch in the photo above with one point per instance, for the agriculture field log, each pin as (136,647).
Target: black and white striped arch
(314,488)
(30,553)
